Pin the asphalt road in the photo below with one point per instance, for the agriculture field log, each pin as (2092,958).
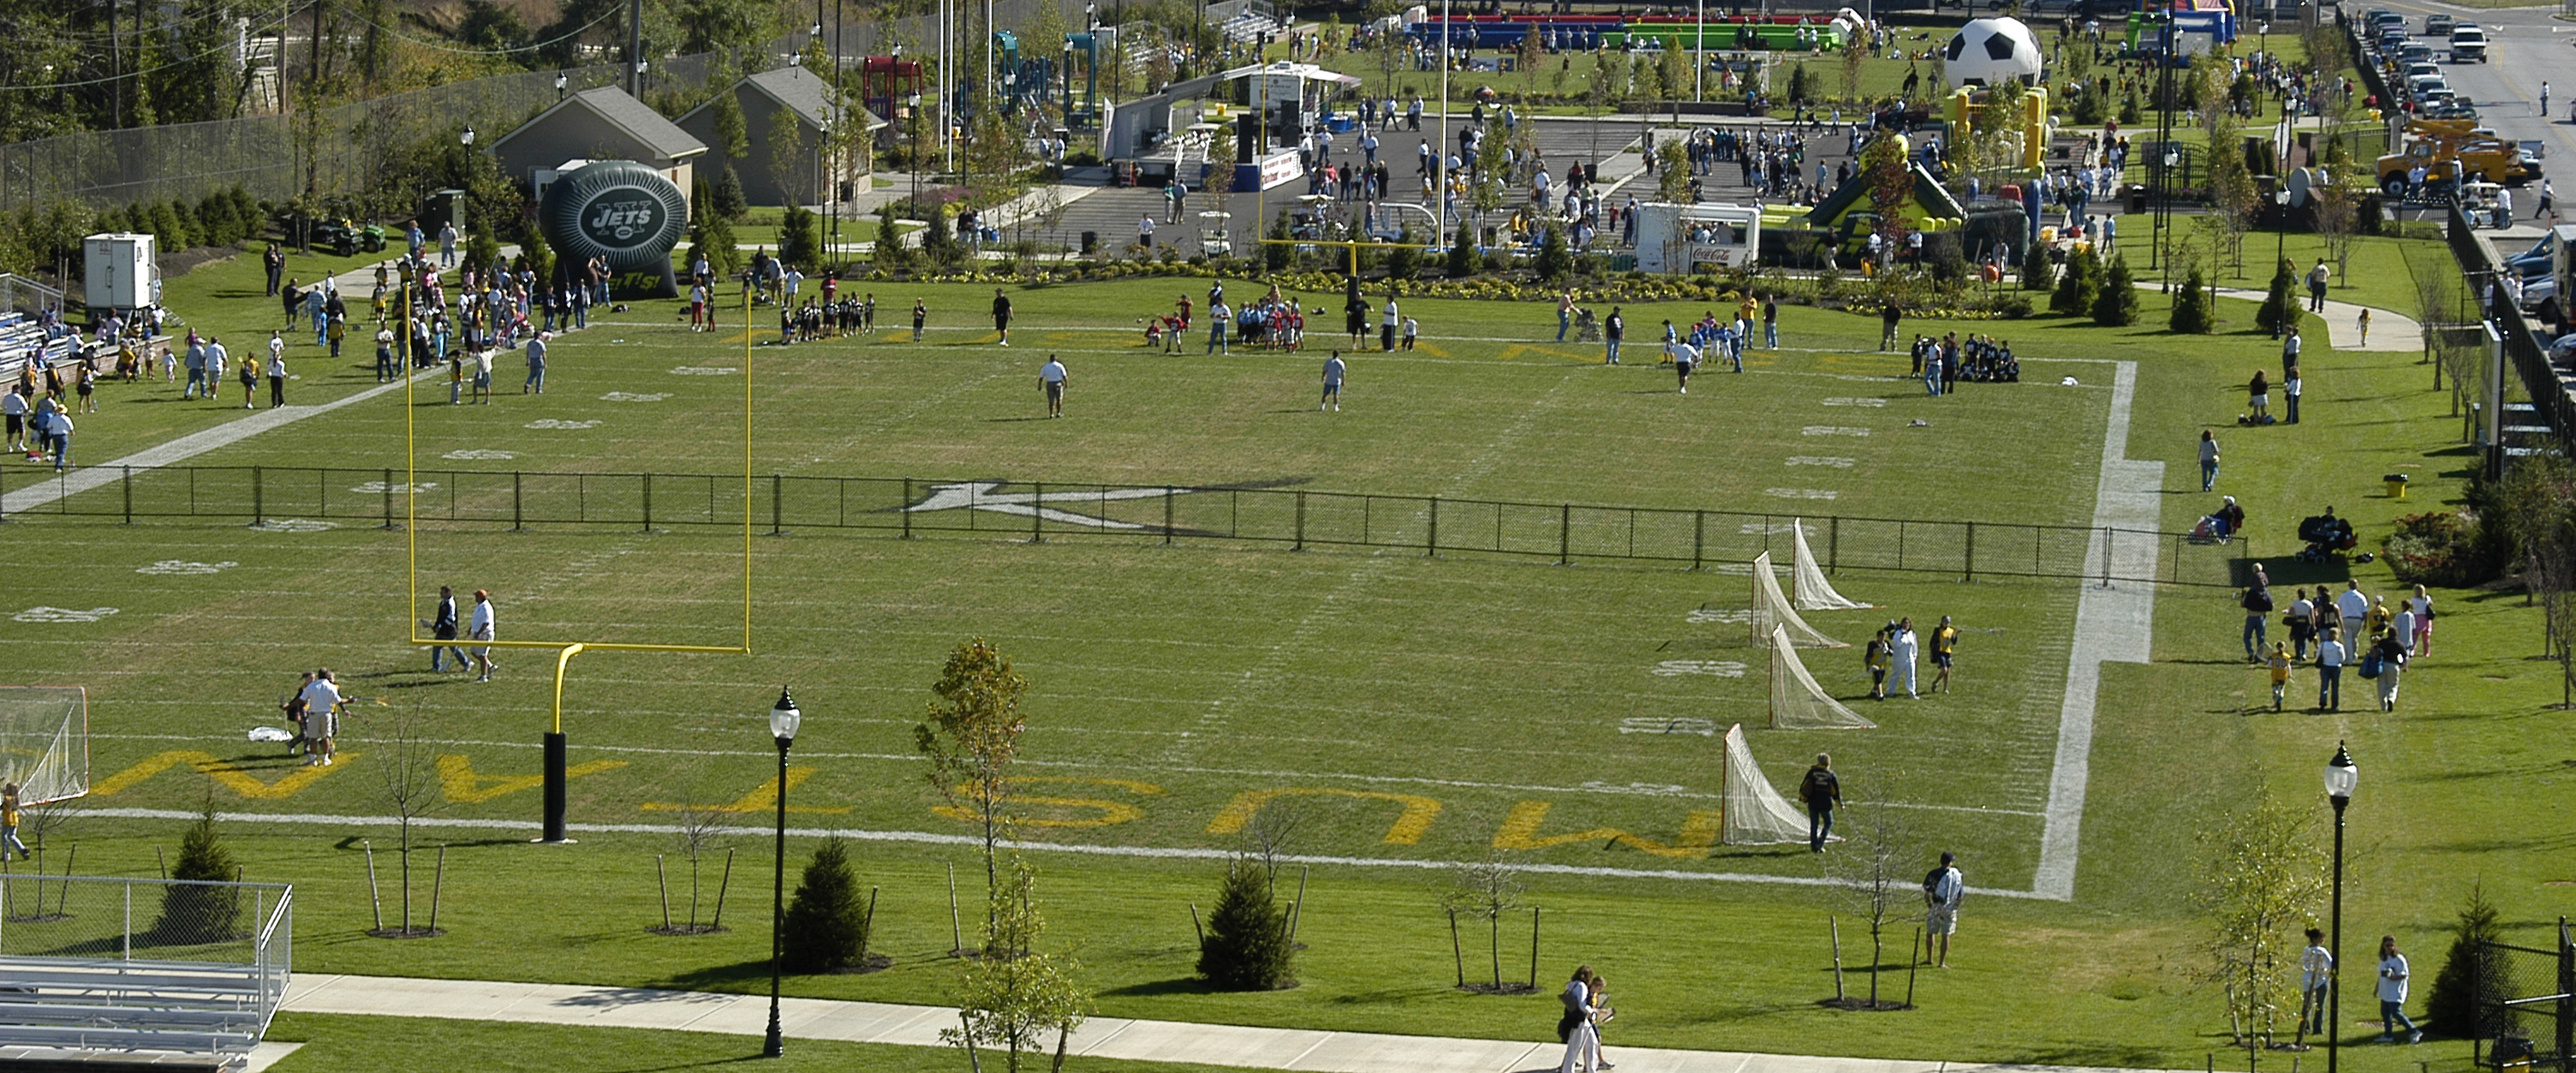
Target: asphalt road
(2526,46)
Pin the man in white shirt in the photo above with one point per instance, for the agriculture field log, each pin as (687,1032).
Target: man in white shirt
(1333,371)
(2316,971)
(277,370)
(1145,231)
(1900,657)
(480,628)
(321,717)
(2352,605)
(1941,893)
(1051,376)
(1386,326)
(14,405)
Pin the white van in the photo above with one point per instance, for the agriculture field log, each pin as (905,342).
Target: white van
(2468,44)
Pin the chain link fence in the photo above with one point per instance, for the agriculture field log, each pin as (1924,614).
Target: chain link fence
(2525,1003)
(1298,518)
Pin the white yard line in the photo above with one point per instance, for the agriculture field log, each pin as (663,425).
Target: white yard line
(937,839)
(2115,622)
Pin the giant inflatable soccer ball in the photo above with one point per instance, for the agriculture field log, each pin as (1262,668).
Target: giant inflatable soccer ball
(1985,52)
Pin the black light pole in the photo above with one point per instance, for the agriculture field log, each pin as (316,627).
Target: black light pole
(783,720)
(2341,776)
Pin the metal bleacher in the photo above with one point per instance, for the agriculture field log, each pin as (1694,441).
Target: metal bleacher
(21,337)
(141,971)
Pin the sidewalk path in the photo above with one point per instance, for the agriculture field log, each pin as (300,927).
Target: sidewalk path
(1312,1050)
(82,478)
(2391,332)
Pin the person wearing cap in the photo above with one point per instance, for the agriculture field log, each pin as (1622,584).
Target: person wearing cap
(480,628)
(1941,893)
(2231,518)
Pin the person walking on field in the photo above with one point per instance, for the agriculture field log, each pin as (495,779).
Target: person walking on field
(2391,659)
(1387,323)
(2279,661)
(2352,606)
(1333,372)
(276,377)
(2422,604)
(1941,893)
(481,627)
(1945,640)
(1051,377)
(1611,331)
(2330,657)
(2317,286)
(2257,603)
(1873,658)
(920,314)
(443,628)
(1002,315)
(2393,978)
(2316,972)
(1821,791)
(1901,649)
(2208,460)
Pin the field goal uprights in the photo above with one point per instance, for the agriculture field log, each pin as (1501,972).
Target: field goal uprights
(44,742)
(565,650)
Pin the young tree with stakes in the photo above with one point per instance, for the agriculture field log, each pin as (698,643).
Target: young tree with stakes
(1874,874)
(971,740)
(1014,995)
(411,789)
(2261,879)
(1486,890)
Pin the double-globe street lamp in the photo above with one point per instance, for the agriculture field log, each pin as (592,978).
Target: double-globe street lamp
(2341,776)
(783,720)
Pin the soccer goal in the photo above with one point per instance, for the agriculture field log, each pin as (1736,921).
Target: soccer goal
(1772,609)
(1756,814)
(44,742)
(1797,702)
(1808,589)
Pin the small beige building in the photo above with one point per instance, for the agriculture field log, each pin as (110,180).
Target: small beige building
(802,100)
(600,124)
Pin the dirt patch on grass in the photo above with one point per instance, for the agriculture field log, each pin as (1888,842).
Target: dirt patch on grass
(183,262)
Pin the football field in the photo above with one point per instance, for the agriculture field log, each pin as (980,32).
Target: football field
(1407,707)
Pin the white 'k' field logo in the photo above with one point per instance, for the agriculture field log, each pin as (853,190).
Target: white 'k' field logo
(980,495)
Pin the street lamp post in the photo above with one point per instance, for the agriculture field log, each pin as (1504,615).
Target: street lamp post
(2281,225)
(783,720)
(2341,776)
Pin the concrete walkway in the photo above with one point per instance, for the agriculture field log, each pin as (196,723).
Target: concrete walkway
(2390,331)
(1101,1037)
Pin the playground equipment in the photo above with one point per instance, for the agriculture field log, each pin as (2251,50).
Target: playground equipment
(2025,132)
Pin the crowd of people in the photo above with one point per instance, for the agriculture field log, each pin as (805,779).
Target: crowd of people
(2331,631)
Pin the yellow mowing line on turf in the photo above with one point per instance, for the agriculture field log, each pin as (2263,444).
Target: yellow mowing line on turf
(566,650)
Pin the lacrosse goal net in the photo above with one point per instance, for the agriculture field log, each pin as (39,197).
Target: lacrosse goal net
(1773,616)
(44,742)
(1756,814)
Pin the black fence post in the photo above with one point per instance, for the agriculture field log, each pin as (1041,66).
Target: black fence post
(258,500)
(518,501)
(1972,552)
(1167,515)
(1301,521)
(1037,513)
(1834,544)
(2566,1000)
(1431,541)
(127,482)
(389,498)
(777,505)
(907,508)
(1564,533)
(648,502)
(1699,536)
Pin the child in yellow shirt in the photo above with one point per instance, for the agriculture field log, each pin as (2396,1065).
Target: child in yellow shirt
(2280,661)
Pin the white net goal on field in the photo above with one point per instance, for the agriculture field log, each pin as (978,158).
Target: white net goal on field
(1807,585)
(1797,702)
(1756,814)
(44,742)
(1771,608)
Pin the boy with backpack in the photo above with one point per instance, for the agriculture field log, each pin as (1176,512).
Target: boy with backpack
(1942,889)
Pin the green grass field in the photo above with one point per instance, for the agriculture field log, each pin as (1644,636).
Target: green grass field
(1170,680)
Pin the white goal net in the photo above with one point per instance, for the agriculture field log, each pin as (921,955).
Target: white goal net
(1807,585)
(44,742)
(1756,814)
(1797,702)
(1772,609)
